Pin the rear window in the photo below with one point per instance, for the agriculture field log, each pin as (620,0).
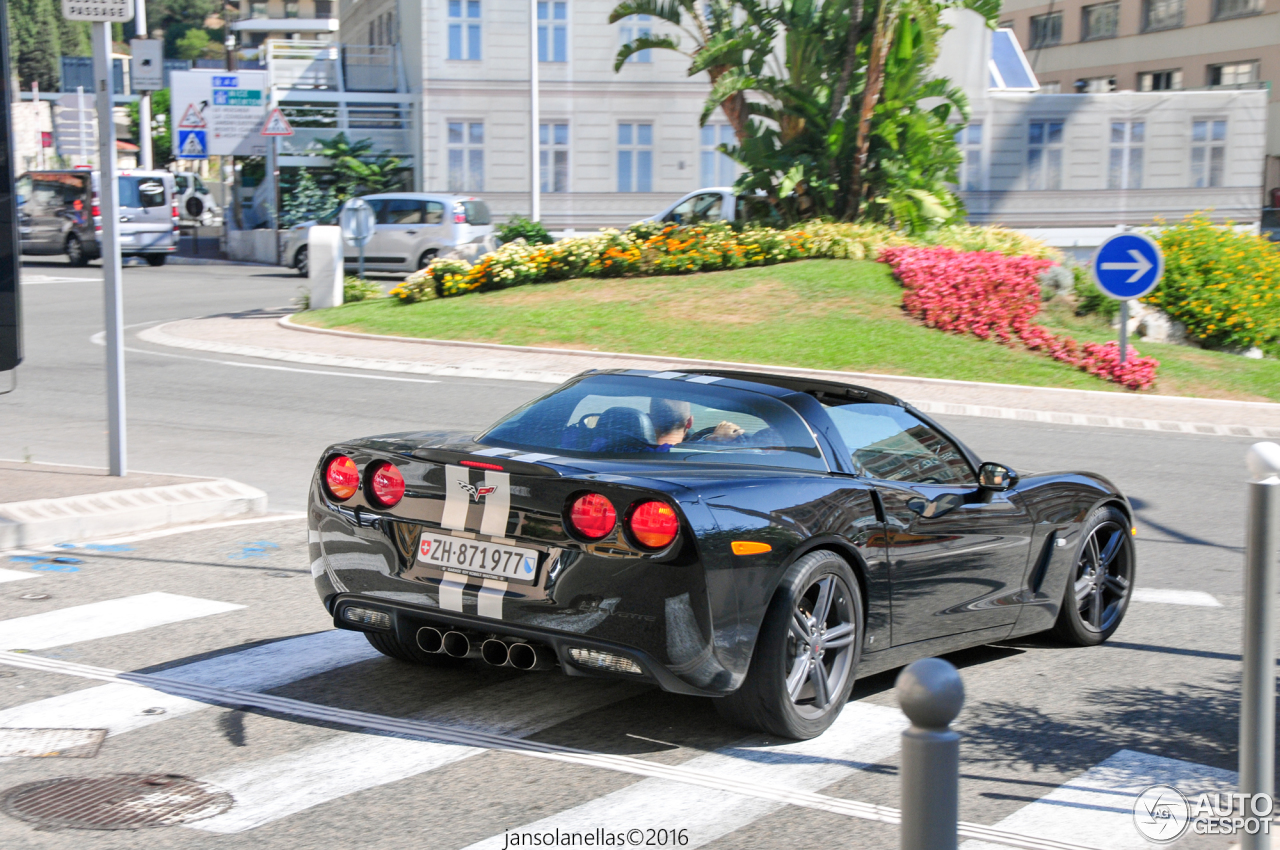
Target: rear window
(141,192)
(477,212)
(641,418)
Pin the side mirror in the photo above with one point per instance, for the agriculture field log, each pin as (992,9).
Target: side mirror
(996,476)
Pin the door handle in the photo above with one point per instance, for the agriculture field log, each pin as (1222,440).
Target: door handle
(411,232)
(125,218)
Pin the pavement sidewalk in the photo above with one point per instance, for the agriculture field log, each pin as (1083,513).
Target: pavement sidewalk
(53,503)
(273,336)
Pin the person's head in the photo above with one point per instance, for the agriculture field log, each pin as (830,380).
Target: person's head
(671,419)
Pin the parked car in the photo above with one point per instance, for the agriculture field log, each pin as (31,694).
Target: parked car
(719,203)
(58,214)
(412,228)
(195,202)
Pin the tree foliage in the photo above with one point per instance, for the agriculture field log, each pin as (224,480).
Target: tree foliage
(359,171)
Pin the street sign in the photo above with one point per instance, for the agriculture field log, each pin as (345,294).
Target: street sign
(228,107)
(357,220)
(1128,265)
(109,11)
(193,144)
(146,68)
(277,124)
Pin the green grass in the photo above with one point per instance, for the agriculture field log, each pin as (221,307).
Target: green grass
(823,314)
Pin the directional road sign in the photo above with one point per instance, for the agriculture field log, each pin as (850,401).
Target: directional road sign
(277,124)
(1128,265)
(357,220)
(228,107)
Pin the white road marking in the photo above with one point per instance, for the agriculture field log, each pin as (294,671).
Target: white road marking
(1096,808)
(361,376)
(1175,597)
(119,707)
(104,619)
(38,279)
(863,734)
(15,575)
(274,788)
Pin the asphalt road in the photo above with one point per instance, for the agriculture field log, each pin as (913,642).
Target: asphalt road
(1055,740)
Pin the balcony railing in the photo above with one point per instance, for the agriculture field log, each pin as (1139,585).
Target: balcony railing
(335,67)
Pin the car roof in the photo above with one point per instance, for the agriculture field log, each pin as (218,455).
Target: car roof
(418,196)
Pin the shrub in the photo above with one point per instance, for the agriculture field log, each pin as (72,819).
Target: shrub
(1001,240)
(519,227)
(427,283)
(843,241)
(990,296)
(356,289)
(1222,284)
(1089,298)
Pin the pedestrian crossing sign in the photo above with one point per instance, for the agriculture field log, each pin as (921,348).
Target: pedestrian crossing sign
(192,119)
(192,144)
(277,124)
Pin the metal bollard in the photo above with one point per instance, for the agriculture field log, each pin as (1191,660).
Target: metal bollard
(324,266)
(931,695)
(1257,691)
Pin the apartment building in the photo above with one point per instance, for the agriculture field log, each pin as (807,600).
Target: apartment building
(613,147)
(254,22)
(1155,45)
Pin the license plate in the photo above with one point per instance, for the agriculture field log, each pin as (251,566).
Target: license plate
(476,557)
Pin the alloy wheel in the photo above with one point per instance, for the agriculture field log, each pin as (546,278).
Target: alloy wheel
(1103,576)
(820,644)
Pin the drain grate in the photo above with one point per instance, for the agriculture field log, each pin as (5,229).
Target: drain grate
(51,743)
(121,801)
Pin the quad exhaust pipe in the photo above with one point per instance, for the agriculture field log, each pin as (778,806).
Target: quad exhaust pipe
(460,645)
(496,651)
(430,640)
(531,656)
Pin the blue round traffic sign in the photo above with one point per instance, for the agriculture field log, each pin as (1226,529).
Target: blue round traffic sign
(1128,265)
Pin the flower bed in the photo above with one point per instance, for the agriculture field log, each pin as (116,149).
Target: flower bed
(991,296)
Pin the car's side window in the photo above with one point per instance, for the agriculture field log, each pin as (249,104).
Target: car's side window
(889,443)
(379,207)
(435,212)
(402,211)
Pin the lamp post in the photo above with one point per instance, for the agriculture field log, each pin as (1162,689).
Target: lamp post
(535,122)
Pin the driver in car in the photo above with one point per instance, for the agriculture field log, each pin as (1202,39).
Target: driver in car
(673,419)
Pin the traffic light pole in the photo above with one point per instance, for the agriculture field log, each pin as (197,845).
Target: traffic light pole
(109,202)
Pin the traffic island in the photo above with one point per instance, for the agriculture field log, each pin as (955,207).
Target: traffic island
(58,503)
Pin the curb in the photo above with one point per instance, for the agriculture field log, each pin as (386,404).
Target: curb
(200,261)
(42,521)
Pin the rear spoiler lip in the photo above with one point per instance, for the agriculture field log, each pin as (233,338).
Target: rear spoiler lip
(538,468)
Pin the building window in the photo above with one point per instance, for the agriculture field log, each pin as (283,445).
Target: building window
(969,141)
(291,9)
(1095,85)
(324,8)
(372,35)
(635,157)
(1044,155)
(258,9)
(553,31)
(1051,88)
(553,141)
(1124,170)
(633,27)
(1235,8)
(466,156)
(1208,152)
(381,31)
(1162,14)
(464,29)
(1233,74)
(716,168)
(1046,30)
(1101,20)
(1160,80)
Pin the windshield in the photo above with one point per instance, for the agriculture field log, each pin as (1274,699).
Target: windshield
(642,418)
(142,192)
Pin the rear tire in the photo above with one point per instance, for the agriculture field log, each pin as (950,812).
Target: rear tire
(75,251)
(156,259)
(300,261)
(783,693)
(1100,584)
(425,259)
(391,647)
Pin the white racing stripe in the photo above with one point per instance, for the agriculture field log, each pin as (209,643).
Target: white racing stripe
(268,790)
(105,619)
(1175,597)
(489,598)
(497,504)
(456,497)
(451,591)
(119,707)
(15,575)
(1096,808)
(863,734)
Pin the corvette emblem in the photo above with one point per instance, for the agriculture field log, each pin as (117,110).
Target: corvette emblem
(476,492)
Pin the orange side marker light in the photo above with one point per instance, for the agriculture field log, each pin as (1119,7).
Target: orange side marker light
(749,547)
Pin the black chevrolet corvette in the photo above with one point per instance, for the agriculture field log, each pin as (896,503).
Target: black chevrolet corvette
(755,538)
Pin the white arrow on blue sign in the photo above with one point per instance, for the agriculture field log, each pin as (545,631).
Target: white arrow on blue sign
(1128,265)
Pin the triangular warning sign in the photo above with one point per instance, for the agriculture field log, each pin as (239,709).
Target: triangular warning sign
(192,119)
(193,147)
(277,125)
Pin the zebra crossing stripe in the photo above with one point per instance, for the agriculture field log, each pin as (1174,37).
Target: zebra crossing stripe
(15,575)
(274,788)
(105,619)
(1096,807)
(863,734)
(118,707)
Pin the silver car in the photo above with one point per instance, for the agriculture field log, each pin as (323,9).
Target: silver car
(716,203)
(412,228)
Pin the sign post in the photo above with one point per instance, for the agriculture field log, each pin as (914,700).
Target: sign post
(103,13)
(357,220)
(1126,266)
(275,126)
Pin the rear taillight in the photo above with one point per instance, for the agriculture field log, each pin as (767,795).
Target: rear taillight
(387,485)
(175,210)
(459,218)
(592,516)
(654,524)
(342,478)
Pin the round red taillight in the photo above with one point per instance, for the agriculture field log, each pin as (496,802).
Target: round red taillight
(387,485)
(592,516)
(342,478)
(654,524)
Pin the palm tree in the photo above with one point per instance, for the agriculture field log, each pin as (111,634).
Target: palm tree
(358,171)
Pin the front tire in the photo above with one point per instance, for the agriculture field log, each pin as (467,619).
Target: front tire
(156,259)
(1100,585)
(425,259)
(806,654)
(75,251)
(300,261)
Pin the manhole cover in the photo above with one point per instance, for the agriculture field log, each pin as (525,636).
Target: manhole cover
(122,801)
